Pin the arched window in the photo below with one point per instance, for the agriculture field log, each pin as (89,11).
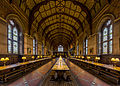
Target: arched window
(14,38)
(85,46)
(34,47)
(105,38)
(60,48)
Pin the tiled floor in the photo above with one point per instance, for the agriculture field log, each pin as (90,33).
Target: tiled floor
(34,78)
(84,78)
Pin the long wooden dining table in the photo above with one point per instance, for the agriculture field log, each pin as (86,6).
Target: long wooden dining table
(60,68)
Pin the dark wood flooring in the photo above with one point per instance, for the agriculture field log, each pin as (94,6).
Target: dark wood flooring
(49,82)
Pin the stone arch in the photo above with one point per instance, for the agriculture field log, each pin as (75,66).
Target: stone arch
(17,20)
(103,19)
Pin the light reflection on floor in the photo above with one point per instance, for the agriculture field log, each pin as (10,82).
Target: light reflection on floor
(34,78)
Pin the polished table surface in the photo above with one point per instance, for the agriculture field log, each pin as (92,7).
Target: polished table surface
(100,64)
(19,64)
(60,65)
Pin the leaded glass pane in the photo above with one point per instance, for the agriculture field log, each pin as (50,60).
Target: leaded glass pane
(15,47)
(110,46)
(11,22)
(105,48)
(105,32)
(33,46)
(15,34)
(9,32)
(34,51)
(9,46)
(110,36)
(34,43)
(108,22)
(110,29)
(60,48)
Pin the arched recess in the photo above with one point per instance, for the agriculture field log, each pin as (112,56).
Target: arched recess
(103,19)
(18,20)
(15,35)
(105,26)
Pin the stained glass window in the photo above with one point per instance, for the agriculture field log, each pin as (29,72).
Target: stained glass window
(11,22)
(110,47)
(105,44)
(15,47)
(34,47)
(15,34)
(9,32)
(105,48)
(105,33)
(9,46)
(60,48)
(85,47)
(12,38)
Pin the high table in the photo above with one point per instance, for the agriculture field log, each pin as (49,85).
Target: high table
(60,68)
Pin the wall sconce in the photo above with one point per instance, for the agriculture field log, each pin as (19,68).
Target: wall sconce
(115,60)
(88,58)
(76,57)
(23,58)
(38,57)
(4,60)
(33,57)
(41,57)
(97,59)
(83,57)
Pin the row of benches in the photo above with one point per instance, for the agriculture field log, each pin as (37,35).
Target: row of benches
(109,75)
(17,71)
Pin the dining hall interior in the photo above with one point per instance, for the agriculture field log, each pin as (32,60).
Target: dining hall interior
(59,42)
